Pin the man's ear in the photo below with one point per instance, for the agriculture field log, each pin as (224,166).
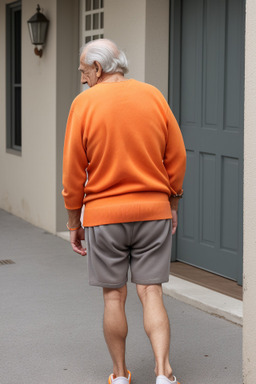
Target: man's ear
(98,69)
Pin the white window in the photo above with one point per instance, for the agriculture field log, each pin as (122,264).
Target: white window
(92,22)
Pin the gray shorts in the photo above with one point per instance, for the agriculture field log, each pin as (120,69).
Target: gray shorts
(145,246)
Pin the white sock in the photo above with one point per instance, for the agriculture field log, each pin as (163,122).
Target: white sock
(163,380)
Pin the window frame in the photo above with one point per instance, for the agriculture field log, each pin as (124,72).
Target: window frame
(92,10)
(13,57)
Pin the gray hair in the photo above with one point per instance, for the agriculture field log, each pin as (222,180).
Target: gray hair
(105,51)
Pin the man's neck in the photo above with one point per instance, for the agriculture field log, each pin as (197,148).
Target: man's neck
(111,78)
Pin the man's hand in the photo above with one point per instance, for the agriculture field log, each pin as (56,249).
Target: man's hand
(174,207)
(174,221)
(76,238)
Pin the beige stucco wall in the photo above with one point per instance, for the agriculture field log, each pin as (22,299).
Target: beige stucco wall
(141,29)
(125,23)
(157,44)
(28,186)
(249,330)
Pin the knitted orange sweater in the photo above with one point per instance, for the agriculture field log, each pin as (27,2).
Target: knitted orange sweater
(123,154)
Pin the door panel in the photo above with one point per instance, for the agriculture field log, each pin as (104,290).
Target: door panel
(210,113)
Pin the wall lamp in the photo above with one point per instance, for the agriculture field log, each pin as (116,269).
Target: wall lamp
(38,26)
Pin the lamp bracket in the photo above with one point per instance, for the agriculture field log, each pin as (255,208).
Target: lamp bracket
(38,52)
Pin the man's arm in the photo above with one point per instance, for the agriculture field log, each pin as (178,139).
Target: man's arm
(175,164)
(74,163)
(74,216)
(175,155)
(74,177)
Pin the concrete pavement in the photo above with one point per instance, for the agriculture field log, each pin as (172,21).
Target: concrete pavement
(51,322)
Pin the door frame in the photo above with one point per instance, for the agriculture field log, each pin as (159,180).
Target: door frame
(175,99)
(174,75)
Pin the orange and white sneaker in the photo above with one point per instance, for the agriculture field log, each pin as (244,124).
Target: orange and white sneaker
(120,379)
(164,380)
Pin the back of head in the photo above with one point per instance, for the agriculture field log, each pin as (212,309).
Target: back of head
(106,52)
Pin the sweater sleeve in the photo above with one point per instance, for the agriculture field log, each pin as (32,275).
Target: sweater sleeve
(175,154)
(74,162)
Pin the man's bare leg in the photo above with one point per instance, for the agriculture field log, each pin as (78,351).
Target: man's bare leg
(115,327)
(157,327)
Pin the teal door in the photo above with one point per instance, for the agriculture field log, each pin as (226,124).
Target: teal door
(206,94)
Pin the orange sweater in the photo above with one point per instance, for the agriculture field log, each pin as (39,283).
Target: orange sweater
(124,137)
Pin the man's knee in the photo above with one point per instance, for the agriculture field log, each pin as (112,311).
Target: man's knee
(115,295)
(145,291)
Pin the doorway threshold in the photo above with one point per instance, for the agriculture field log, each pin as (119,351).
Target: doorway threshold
(207,279)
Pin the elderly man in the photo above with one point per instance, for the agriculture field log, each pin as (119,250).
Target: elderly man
(124,161)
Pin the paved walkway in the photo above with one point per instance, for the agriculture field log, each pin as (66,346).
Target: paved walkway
(51,322)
